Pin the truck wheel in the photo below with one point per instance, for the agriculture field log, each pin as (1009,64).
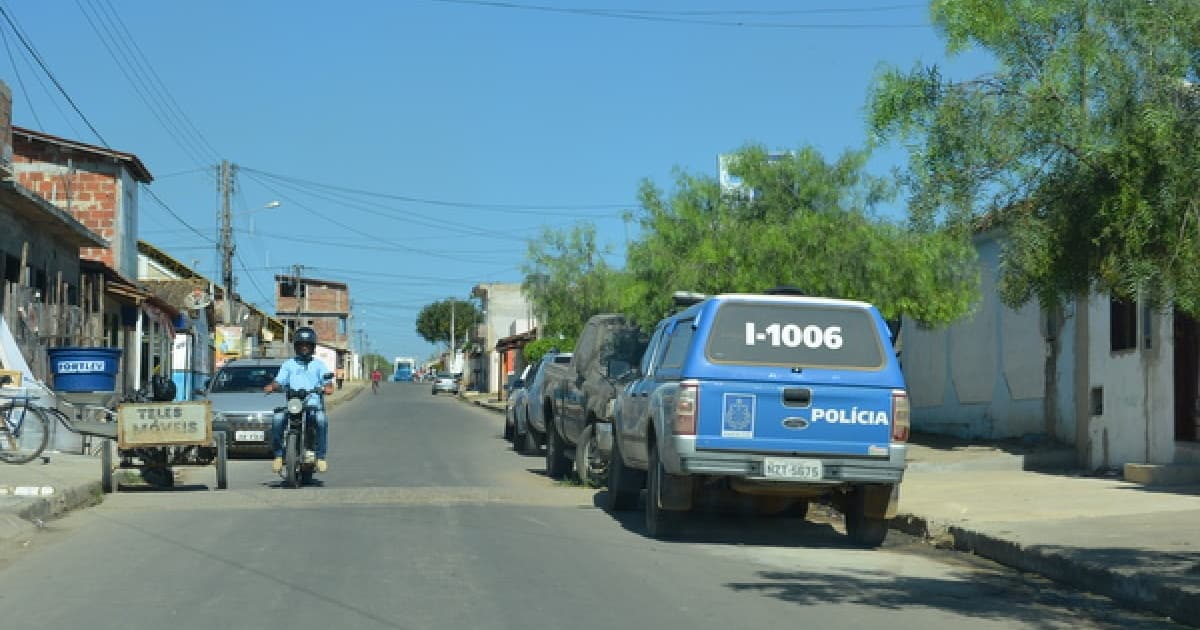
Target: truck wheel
(624,483)
(660,523)
(863,530)
(590,465)
(557,463)
(509,423)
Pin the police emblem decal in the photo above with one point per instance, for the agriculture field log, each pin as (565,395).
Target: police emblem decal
(737,417)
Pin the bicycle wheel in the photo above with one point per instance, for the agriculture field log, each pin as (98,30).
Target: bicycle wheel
(24,431)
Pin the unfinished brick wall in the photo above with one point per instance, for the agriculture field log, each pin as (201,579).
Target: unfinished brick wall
(325,305)
(88,191)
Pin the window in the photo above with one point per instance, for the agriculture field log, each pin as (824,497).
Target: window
(677,346)
(1122,325)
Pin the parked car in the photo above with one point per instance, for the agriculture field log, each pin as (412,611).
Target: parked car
(239,406)
(769,396)
(529,420)
(581,394)
(445,383)
(516,397)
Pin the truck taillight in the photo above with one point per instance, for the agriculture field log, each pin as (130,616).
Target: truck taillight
(900,415)
(685,408)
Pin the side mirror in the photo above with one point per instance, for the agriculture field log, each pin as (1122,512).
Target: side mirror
(328,375)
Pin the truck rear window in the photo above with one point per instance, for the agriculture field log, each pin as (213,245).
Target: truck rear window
(798,335)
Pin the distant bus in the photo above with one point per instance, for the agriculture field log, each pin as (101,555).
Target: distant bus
(403,369)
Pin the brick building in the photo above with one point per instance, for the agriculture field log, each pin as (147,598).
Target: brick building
(95,185)
(323,305)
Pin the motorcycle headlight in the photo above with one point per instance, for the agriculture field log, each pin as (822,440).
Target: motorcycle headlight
(295,405)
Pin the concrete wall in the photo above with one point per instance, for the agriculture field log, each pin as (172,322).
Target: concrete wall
(508,313)
(984,376)
(1138,419)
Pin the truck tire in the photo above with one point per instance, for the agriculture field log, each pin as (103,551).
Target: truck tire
(590,466)
(557,463)
(660,523)
(862,529)
(624,483)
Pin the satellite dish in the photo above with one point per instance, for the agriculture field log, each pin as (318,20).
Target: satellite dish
(197,299)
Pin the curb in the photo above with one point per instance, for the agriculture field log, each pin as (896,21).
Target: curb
(1137,589)
(19,526)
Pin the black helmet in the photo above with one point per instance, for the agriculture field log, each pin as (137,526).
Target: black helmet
(305,336)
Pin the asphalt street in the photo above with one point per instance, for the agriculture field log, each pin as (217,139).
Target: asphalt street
(428,519)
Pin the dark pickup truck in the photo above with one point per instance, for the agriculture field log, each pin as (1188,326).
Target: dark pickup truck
(578,397)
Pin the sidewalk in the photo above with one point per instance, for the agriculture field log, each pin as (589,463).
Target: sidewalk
(1021,504)
(33,493)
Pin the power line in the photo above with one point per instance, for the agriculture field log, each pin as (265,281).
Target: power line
(20,81)
(164,206)
(53,79)
(173,107)
(367,235)
(370,208)
(678,18)
(514,208)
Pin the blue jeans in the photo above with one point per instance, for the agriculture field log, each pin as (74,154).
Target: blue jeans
(280,421)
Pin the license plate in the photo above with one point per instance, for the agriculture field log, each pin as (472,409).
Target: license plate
(248,436)
(804,469)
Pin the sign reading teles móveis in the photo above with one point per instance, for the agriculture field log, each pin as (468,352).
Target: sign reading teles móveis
(164,424)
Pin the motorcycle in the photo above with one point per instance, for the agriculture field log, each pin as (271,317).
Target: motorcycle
(300,436)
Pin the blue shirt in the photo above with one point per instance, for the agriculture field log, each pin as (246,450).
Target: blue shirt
(308,376)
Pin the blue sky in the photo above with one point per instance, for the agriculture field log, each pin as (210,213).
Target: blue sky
(415,146)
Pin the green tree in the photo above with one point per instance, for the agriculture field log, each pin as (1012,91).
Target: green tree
(568,280)
(535,350)
(1081,145)
(794,220)
(433,321)
(372,360)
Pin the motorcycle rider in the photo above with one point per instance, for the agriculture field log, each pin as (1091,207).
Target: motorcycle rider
(303,371)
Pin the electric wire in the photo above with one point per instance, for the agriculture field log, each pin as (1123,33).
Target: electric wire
(371,237)
(42,63)
(171,105)
(515,208)
(139,88)
(676,18)
(20,81)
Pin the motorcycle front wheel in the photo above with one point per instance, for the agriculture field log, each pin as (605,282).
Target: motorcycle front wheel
(291,460)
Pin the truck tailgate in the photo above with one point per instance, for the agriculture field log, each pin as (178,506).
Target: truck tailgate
(793,418)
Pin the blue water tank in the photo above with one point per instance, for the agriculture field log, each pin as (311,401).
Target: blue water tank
(84,369)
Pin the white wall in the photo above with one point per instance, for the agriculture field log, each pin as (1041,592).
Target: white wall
(984,375)
(1138,420)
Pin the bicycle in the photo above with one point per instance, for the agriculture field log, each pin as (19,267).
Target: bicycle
(24,427)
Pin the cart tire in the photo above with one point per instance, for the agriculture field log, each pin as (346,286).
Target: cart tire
(222,459)
(291,460)
(107,485)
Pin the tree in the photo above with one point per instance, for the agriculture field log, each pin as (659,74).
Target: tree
(536,349)
(433,321)
(1082,145)
(796,220)
(372,360)
(567,279)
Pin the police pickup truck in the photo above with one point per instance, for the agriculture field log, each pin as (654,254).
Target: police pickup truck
(771,396)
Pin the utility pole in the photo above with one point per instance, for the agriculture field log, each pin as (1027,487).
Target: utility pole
(452,354)
(225,182)
(297,270)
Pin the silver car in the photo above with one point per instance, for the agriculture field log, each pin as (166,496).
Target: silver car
(445,383)
(239,406)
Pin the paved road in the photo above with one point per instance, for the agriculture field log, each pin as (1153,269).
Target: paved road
(429,520)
